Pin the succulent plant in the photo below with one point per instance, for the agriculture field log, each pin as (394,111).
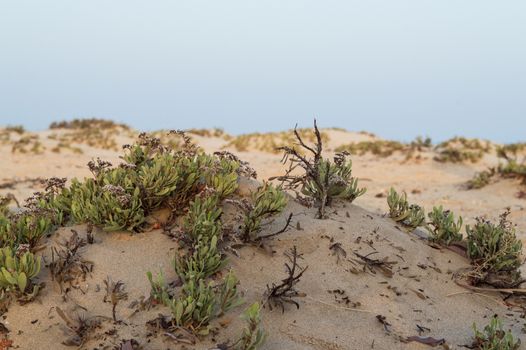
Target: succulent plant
(267,200)
(494,337)
(205,261)
(202,219)
(442,226)
(253,335)
(323,180)
(495,251)
(338,179)
(26,228)
(17,271)
(410,215)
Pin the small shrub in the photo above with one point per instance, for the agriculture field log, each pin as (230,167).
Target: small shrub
(17,271)
(199,303)
(202,219)
(25,228)
(494,337)
(401,211)
(253,335)
(481,179)
(111,206)
(495,251)
(381,148)
(398,205)
(267,200)
(461,149)
(323,180)
(205,261)
(442,226)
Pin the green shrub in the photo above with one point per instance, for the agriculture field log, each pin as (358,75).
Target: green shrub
(253,335)
(223,176)
(205,260)
(493,337)
(442,226)
(495,251)
(398,205)
(159,291)
(202,219)
(17,272)
(25,228)
(158,180)
(381,148)
(481,179)
(461,149)
(267,200)
(199,303)
(401,211)
(337,179)
(323,180)
(110,206)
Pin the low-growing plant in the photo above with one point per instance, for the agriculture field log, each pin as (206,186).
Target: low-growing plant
(514,167)
(381,148)
(202,219)
(253,335)
(159,292)
(17,270)
(495,252)
(481,179)
(323,180)
(228,296)
(205,261)
(271,142)
(267,200)
(106,203)
(199,303)
(443,227)
(410,215)
(494,337)
(461,149)
(25,228)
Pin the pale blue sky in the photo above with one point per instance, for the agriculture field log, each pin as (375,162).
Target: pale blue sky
(398,68)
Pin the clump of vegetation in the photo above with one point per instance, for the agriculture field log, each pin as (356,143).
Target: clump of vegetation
(271,142)
(514,167)
(203,262)
(494,337)
(215,132)
(323,180)
(443,227)
(481,179)
(28,144)
(25,228)
(381,148)
(17,129)
(267,200)
(17,271)
(97,133)
(410,215)
(386,148)
(87,123)
(461,149)
(253,335)
(198,302)
(495,252)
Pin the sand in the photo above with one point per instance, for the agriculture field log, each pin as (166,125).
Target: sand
(421,291)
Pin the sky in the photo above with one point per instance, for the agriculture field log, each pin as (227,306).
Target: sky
(398,68)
